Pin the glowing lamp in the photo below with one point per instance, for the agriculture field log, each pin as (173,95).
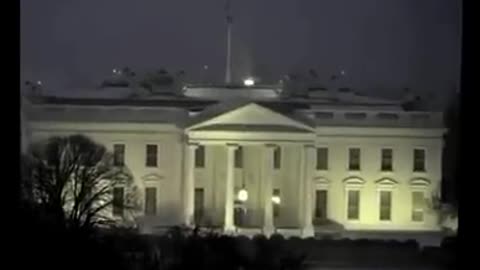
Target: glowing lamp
(249,82)
(242,195)
(276,199)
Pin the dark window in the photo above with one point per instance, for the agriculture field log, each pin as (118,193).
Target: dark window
(321,204)
(387,116)
(152,153)
(322,158)
(354,159)
(387,160)
(277,158)
(323,115)
(419,160)
(239,158)
(199,205)
(119,155)
(353,211)
(355,116)
(276,206)
(385,205)
(200,157)
(118,197)
(150,201)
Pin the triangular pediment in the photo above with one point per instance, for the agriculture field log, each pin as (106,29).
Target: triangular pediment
(247,116)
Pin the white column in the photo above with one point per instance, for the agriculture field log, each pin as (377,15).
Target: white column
(229,185)
(268,227)
(301,185)
(189,183)
(309,162)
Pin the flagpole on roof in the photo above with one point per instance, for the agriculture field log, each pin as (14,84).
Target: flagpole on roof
(228,69)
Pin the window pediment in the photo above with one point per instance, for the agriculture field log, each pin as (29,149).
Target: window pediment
(354,182)
(420,182)
(152,177)
(386,183)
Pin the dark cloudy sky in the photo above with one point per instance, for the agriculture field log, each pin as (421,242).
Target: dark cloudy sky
(382,44)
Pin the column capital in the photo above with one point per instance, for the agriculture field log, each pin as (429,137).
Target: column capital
(271,145)
(232,146)
(193,146)
(309,146)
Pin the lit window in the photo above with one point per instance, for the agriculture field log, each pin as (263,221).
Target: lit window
(117,202)
(151,155)
(150,201)
(385,205)
(276,202)
(322,158)
(239,158)
(353,204)
(418,160)
(354,159)
(119,155)
(387,160)
(277,158)
(200,157)
(418,202)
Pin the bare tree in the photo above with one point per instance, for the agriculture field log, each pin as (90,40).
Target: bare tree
(72,178)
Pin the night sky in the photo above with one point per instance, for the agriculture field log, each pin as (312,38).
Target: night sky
(383,45)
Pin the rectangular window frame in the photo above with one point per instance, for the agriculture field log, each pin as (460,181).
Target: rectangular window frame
(315,216)
(200,160)
(118,208)
(116,162)
(384,167)
(418,210)
(349,168)
(277,158)
(154,210)
(414,169)
(238,157)
(150,157)
(379,205)
(326,165)
(347,200)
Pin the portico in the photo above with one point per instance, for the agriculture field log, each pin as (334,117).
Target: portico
(276,158)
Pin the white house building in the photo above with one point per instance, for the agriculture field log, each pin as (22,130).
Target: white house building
(252,160)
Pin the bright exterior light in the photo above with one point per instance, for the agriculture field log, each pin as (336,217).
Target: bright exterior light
(242,195)
(39,82)
(276,199)
(248,82)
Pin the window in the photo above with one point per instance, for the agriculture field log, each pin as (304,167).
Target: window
(354,159)
(418,160)
(387,160)
(200,157)
(118,155)
(322,158)
(151,155)
(385,205)
(239,158)
(276,203)
(198,205)
(277,157)
(353,204)
(118,197)
(321,204)
(355,116)
(418,200)
(150,201)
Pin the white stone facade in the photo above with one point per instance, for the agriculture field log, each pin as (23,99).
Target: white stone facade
(258,130)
